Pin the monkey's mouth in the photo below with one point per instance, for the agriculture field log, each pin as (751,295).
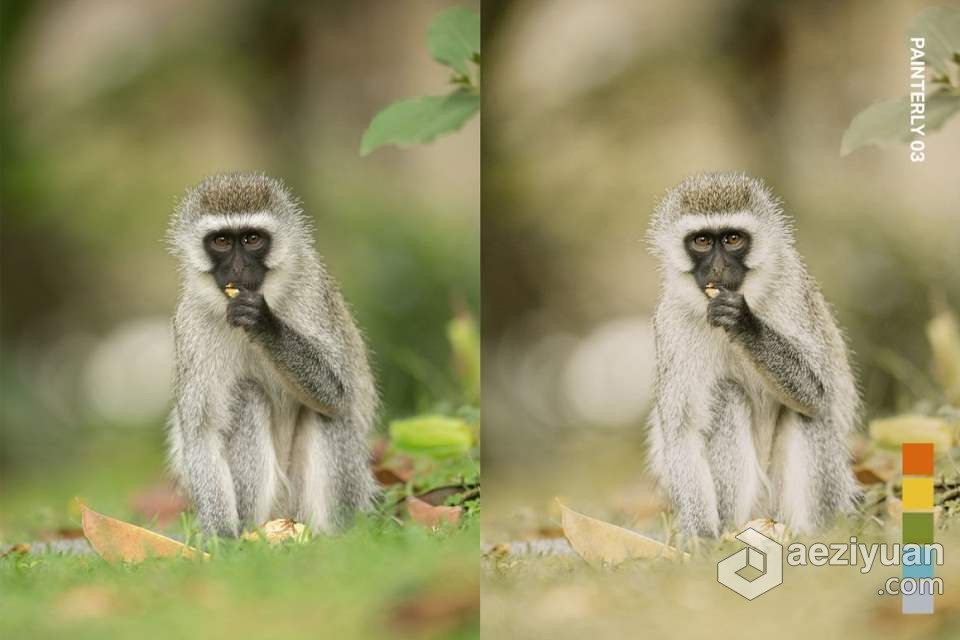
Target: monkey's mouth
(713,287)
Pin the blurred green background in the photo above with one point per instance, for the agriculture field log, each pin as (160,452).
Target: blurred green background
(593,110)
(110,110)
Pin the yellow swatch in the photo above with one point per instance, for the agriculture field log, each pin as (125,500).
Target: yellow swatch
(917,494)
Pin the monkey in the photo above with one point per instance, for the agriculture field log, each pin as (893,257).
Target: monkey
(755,393)
(273,391)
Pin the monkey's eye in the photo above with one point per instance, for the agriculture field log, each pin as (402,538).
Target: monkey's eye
(252,241)
(221,243)
(702,242)
(733,240)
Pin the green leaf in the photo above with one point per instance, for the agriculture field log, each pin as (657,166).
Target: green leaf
(888,121)
(941,28)
(454,38)
(417,120)
(436,436)
(464,341)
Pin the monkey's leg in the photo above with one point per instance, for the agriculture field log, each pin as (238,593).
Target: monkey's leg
(684,472)
(249,450)
(203,470)
(732,455)
(814,481)
(330,477)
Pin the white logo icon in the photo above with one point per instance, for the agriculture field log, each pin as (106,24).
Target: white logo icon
(762,554)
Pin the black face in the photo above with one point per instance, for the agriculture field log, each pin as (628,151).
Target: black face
(718,257)
(238,257)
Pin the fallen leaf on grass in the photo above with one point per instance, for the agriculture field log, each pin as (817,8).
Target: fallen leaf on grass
(119,541)
(876,470)
(63,533)
(397,471)
(432,516)
(16,550)
(438,496)
(276,531)
(603,544)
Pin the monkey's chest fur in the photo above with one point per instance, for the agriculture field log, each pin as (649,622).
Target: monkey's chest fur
(247,379)
(733,380)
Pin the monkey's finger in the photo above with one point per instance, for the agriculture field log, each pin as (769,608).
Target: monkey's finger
(731,309)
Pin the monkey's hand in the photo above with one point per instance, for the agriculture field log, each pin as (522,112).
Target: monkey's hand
(249,311)
(729,310)
(794,380)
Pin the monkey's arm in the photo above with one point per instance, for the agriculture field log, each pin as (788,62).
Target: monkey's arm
(307,365)
(787,369)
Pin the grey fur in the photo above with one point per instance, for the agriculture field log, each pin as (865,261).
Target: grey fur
(755,395)
(270,419)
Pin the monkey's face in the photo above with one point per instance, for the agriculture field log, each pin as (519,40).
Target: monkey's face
(719,257)
(238,257)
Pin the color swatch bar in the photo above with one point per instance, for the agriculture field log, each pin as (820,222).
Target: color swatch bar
(917,520)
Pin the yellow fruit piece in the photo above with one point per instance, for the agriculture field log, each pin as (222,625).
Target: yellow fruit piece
(276,531)
(231,291)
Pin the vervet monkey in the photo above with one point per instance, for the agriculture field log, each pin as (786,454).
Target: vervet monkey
(274,396)
(754,396)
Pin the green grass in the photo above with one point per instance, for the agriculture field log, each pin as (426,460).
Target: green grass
(377,580)
(380,579)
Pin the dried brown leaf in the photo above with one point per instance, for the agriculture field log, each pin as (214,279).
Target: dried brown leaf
(432,516)
(877,469)
(16,550)
(118,541)
(603,544)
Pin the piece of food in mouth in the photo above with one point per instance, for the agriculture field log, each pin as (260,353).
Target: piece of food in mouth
(712,290)
(231,290)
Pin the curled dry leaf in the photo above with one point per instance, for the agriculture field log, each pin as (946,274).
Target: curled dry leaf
(279,530)
(432,516)
(118,541)
(603,544)
(397,469)
(877,469)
